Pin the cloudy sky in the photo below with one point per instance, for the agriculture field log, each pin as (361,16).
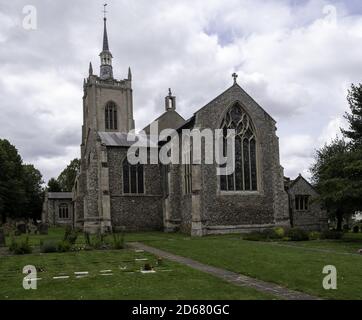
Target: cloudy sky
(296,58)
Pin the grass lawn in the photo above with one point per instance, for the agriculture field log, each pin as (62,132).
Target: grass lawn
(171,280)
(296,265)
(296,268)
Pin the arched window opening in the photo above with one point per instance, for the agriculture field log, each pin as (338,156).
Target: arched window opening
(187,171)
(111,116)
(244,178)
(133,178)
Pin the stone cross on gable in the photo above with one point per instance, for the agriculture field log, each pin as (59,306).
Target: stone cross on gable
(235,76)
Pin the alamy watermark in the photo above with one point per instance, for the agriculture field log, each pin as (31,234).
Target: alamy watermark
(30,281)
(330,280)
(30,20)
(169,147)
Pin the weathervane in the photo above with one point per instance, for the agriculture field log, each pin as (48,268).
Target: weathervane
(104,10)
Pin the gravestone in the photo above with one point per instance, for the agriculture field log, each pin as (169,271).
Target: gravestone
(43,228)
(2,238)
(21,228)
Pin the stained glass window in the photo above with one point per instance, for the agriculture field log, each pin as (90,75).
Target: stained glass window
(244,178)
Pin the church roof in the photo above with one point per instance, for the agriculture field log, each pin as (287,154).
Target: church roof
(170,119)
(119,139)
(300,177)
(244,93)
(60,195)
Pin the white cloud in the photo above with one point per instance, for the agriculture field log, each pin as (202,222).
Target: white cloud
(290,56)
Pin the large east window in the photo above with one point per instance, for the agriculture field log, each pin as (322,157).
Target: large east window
(244,177)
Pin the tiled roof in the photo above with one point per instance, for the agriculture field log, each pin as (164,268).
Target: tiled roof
(119,139)
(60,195)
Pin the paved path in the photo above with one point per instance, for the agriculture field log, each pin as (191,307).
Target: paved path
(229,276)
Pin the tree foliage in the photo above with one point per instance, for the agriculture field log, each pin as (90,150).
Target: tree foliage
(67,178)
(20,185)
(54,186)
(354,118)
(337,172)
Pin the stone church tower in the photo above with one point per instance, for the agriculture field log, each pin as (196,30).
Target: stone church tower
(107,107)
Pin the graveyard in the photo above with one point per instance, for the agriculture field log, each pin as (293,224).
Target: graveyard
(104,270)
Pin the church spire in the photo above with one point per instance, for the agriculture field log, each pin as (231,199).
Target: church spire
(105,36)
(106,56)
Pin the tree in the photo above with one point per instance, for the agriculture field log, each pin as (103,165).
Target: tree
(67,178)
(355,117)
(12,193)
(331,181)
(21,193)
(337,172)
(54,186)
(33,181)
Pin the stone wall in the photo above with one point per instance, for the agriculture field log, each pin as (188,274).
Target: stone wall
(314,218)
(135,212)
(53,218)
(240,209)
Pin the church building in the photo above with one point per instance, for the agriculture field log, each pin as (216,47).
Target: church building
(110,192)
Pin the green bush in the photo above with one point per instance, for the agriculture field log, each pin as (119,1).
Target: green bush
(296,234)
(255,236)
(265,235)
(48,246)
(118,240)
(21,247)
(332,235)
(64,246)
(280,232)
(314,235)
(100,241)
(87,239)
(355,229)
(70,235)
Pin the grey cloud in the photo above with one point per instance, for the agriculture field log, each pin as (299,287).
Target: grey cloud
(191,46)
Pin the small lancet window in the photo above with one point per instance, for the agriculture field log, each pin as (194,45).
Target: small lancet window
(111,116)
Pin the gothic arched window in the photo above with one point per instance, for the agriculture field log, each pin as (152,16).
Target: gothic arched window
(244,178)
(111,116)
(133,178)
